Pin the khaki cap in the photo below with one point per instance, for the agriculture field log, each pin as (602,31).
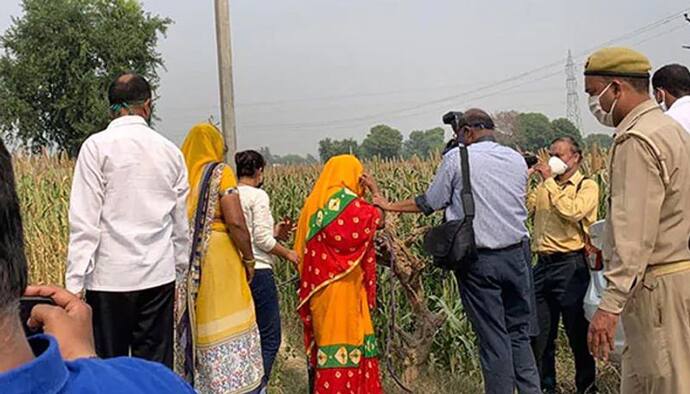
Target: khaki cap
(618,62)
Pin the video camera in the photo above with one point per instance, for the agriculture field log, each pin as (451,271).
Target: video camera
(530,159)
(453,119)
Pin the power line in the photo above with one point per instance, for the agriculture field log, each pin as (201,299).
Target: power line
(630,34)
(413,114)
(351,95)
(331,123)
(350,122)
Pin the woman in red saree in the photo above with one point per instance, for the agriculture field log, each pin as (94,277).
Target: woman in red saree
(335,241)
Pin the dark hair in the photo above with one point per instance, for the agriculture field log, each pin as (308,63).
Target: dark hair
(475,117)
(673,78)
(129,88)
(574,145)
(13,268)
(249,162)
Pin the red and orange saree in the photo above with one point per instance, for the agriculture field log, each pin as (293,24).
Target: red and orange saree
(335,238)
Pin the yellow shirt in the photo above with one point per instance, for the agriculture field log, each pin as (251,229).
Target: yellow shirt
(558,211)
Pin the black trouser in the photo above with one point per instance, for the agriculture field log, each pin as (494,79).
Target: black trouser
(497,294)
(137,323)
(267,309)
(561,282)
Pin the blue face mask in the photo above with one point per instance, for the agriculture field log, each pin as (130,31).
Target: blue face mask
(117,108)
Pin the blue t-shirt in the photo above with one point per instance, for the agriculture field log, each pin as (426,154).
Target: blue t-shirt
(49,373)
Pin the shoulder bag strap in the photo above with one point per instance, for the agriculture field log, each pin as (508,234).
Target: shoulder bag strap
(200,213)
(582,226)
(585,234)
(466,192)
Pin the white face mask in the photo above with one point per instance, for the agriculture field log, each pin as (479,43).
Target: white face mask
(605,118)
(558,166)
(662,104)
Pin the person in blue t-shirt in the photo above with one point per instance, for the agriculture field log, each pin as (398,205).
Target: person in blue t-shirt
(62,360)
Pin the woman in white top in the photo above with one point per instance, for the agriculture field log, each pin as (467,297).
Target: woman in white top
(265,235)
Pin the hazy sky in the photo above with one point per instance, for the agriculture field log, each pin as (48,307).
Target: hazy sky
(310,69)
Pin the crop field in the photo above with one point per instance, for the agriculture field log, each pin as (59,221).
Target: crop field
(453,365)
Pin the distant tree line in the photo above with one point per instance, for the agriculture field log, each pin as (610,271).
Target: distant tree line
(527,132)
(387,143)
(533,131)
(289,159)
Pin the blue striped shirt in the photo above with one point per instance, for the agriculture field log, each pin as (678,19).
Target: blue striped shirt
(499,185)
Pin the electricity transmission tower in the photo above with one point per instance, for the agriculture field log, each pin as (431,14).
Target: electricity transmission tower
(573,106)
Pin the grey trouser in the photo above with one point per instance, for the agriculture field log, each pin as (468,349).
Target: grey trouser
(498,297)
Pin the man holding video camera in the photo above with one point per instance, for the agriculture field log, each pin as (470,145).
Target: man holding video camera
(564,205)
(496,290)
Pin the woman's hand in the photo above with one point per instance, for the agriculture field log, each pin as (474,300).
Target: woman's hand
(283,230)
(369,183)
(293,257)
(236,225)
(249,271)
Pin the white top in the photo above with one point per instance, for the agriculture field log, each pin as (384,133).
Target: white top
(256,207)
(127,216)
(680,111)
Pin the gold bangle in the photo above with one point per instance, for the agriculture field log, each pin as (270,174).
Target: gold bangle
(249,262)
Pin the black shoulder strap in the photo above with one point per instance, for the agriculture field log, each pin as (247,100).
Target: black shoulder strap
(466,192)
(579,184)
(201,205)
(577,190)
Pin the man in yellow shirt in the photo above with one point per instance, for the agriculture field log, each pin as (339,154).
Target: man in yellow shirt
(564,205)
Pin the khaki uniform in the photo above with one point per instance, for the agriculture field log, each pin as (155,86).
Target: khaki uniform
(646,250)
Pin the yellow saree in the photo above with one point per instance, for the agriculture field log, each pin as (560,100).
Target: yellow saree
(218,348)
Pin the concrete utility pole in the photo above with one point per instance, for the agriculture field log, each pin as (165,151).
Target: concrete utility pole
(227,96)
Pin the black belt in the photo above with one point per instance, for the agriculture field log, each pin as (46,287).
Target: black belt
(560,256)
(507,248)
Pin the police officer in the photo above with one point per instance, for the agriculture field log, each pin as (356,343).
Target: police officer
(646,237)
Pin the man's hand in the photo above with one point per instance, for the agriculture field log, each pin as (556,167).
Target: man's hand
(544,170)
(69,321)
(381,202)
(602,331)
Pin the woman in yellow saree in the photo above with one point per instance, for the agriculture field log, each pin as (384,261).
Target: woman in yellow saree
(335,242)
(217,340)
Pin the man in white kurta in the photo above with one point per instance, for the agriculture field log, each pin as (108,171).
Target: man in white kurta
(128,228)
